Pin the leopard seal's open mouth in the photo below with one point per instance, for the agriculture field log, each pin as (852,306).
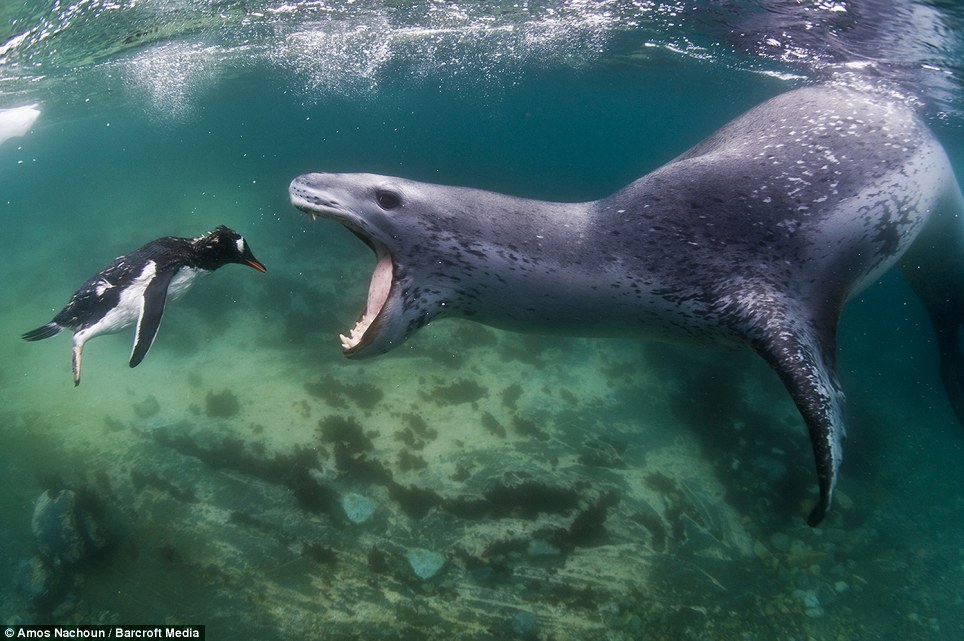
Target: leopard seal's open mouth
(317,203)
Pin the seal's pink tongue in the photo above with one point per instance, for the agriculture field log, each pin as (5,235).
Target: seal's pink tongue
(378,291)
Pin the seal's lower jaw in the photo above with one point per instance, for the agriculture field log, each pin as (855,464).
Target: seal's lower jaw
(366,329)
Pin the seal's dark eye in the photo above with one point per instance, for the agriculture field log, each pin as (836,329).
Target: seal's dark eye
(387,199)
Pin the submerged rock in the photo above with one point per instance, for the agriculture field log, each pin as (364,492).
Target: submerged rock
(811,603)
(425,563)
(34,580)
(55,528)
(525,625)
(358,508)
(222,405)
(65,529)
(780,542)
(542,548)
(147,408)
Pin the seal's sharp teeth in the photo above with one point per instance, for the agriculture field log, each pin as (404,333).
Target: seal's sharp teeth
(356,334)
(378,292)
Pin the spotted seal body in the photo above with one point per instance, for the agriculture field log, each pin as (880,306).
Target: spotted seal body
(757,235)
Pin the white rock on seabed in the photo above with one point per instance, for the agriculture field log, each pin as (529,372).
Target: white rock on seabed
(358,508)
(425,563)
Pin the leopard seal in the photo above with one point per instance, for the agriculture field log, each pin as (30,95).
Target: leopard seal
(758,235)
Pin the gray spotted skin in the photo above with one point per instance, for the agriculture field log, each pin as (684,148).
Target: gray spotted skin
(758,235)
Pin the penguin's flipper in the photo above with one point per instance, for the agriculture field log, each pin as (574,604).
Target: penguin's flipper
(155,297)
(42,332)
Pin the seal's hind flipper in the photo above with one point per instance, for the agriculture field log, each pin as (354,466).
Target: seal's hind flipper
(815,390)
(802,351)
(152,310)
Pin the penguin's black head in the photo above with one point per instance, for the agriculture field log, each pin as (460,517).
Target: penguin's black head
(222,246)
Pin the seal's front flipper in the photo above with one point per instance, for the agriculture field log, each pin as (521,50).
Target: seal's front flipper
(801,350)
(155,297)
(934,268)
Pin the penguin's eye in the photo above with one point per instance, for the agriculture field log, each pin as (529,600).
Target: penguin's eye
(387,199)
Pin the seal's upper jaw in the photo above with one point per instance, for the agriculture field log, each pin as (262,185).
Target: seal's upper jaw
(319,196)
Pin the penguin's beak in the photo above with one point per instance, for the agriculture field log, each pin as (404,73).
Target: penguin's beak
(248,258)
(253,263)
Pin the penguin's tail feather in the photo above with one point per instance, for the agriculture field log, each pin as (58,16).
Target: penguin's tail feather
(42,332)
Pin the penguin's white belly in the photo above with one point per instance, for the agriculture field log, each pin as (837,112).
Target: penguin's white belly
(182,281)
(127,310)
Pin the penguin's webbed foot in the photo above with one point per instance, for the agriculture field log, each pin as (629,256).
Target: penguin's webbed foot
(75,362)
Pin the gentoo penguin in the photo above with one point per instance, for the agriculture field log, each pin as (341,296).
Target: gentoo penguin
(135,287)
